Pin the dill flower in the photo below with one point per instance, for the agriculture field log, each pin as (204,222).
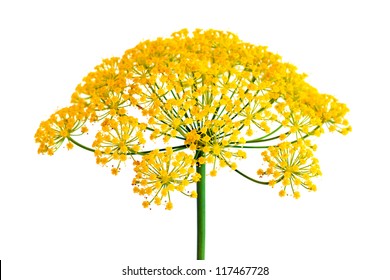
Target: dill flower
(61,126)
(120,137)
(216,93)
(161,173)
(203,98)
(294,165)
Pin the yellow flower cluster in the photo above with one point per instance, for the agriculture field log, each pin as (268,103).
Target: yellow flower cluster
(292,164)
(160,173)
(214,143)
(210,90)
(60,126)
(119,137)
(104,92)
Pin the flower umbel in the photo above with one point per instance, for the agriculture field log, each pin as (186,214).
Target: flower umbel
(293,165)
(159,174)
(120,137)
(61,126)
(205,98)
(212,91)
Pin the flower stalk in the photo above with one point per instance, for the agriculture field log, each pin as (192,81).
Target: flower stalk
(201,211)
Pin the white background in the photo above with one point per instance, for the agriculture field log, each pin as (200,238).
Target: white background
(64,217)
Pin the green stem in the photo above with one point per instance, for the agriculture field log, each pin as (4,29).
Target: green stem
(250,178)
(248,147)
(264,138)
(201,209)
(175,148)
(80,145)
